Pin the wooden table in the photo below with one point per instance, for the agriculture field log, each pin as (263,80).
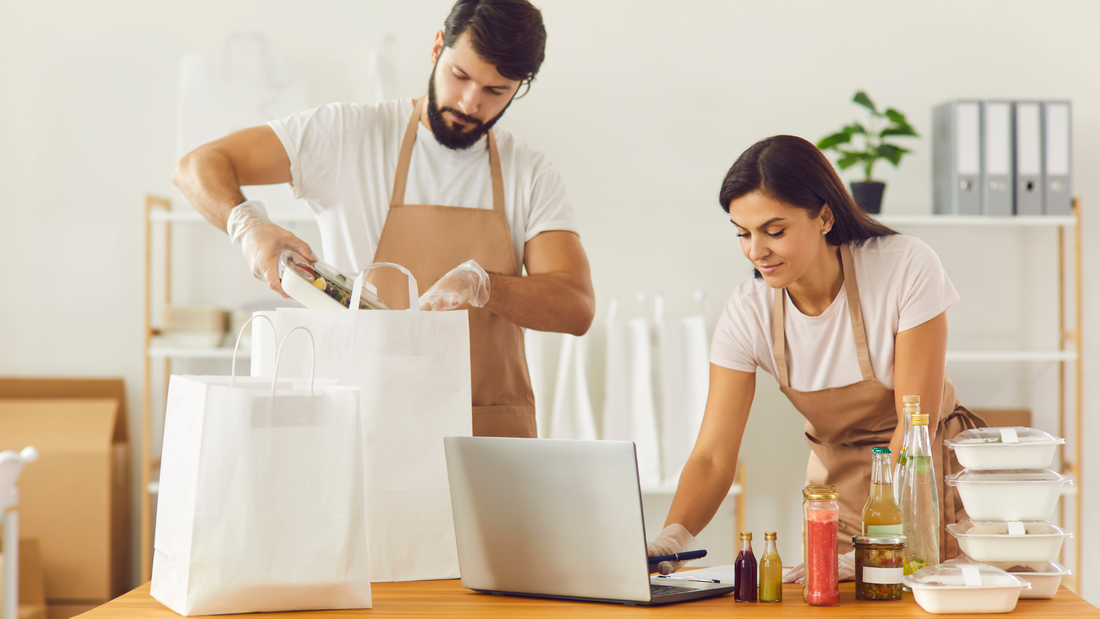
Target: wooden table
(447,598)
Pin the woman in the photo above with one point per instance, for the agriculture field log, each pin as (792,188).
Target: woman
(848,316)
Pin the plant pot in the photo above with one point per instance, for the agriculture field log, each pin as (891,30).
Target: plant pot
(868,195)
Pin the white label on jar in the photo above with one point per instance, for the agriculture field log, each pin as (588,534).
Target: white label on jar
(1016,528)
(882,575)
(972,577)
(1008,435)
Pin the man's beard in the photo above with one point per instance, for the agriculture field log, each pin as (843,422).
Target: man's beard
(455,138)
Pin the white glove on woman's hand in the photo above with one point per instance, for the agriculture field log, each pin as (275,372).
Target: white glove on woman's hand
(672,539)
(845,565)
(261,241)
(466,283)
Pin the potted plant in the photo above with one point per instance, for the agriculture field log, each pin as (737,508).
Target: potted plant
(881,125)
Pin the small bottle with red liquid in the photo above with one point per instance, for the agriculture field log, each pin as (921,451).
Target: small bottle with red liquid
(822,516)
(744,572)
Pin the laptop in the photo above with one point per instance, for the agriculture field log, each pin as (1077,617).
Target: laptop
(555,519)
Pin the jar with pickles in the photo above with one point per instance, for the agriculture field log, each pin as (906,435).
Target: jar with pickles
(879,566)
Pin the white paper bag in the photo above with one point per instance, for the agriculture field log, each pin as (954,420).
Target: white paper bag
(572,416)
(413,372)
(261,497)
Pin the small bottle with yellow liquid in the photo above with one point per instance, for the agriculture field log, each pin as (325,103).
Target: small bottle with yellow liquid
(881,515)
(771,571)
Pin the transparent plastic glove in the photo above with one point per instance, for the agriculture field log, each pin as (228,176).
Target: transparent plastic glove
(261,241)
(466,283)
(672,539)
(845,563)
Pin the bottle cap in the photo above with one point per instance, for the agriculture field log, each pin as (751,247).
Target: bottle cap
(746,537)
(910,399)
(880,450)
(920,420)
(769,535)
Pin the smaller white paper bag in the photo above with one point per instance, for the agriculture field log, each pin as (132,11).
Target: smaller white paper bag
(261,502)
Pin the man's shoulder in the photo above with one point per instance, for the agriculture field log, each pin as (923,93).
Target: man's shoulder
(515,150)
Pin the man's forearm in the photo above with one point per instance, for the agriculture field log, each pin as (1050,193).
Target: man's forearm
(208,180)
(544,302)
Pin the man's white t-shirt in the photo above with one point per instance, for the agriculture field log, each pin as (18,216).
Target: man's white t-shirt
(343,158)
(901,285)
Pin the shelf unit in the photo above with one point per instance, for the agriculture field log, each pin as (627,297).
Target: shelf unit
(1069,349)
(158,212)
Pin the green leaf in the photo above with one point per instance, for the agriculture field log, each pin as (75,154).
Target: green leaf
(891,153)
(855,128)
(832,141)
(850,158)
(899,130)
(862,99)
(896,116)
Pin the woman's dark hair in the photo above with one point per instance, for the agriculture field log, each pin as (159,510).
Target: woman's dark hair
(793,171)
(508,34)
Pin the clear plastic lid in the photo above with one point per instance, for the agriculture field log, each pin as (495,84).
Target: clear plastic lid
(981,528)
(1002,437)
(327,280)
(1040,568)
(963,576)
(967,476)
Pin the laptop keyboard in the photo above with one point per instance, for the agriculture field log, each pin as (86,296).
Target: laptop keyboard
(659,590)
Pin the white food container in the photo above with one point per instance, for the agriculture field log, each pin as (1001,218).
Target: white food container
(994,542)
(1008,495)
(1045,578)
(965,589)
(319,285)
(990,449)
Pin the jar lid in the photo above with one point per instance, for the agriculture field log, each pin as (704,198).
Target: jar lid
(878,540)
(880,450)
(822,495)
(812,489)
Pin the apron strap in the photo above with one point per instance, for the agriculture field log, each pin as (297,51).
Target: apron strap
(402,175)
(855,312)
(401,178)
(498,176)
(780,340)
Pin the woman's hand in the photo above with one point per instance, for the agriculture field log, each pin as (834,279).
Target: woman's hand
(672,539)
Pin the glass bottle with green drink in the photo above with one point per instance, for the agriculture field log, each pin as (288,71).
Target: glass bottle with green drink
(920,505)
(881,515)
(771,571)
(910,404)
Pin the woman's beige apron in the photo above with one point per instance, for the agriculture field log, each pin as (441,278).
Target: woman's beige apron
(844,423)
(430,240)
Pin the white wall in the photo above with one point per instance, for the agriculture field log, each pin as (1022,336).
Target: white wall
(642,106)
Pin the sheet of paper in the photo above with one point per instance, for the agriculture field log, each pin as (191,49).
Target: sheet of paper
(723,573)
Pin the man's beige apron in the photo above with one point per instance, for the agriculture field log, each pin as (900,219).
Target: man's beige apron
(844,423)
(430,240)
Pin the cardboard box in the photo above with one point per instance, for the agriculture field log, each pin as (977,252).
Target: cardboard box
(76,498)
(32,588)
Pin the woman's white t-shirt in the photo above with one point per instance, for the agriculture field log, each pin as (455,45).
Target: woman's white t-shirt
(343,158)
(901,285)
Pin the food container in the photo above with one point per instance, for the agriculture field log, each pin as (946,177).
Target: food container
(965,588)
(1016,542)
(318,285)
(879,568)
(1044,576)
(1008,495)
(991,449)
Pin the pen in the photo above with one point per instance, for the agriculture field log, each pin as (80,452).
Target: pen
(680,556)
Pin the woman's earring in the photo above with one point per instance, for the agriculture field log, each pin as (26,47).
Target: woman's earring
(823,232)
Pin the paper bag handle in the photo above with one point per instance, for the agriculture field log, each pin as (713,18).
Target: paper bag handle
(357,287)
(312,357)
(233,372)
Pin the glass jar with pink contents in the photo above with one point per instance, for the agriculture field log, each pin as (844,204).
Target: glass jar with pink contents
(822,515)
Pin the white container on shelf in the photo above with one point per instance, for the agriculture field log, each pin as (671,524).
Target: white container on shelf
(995,542)
(1044,577)
(989,449)
(965,589)
(1008,495)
